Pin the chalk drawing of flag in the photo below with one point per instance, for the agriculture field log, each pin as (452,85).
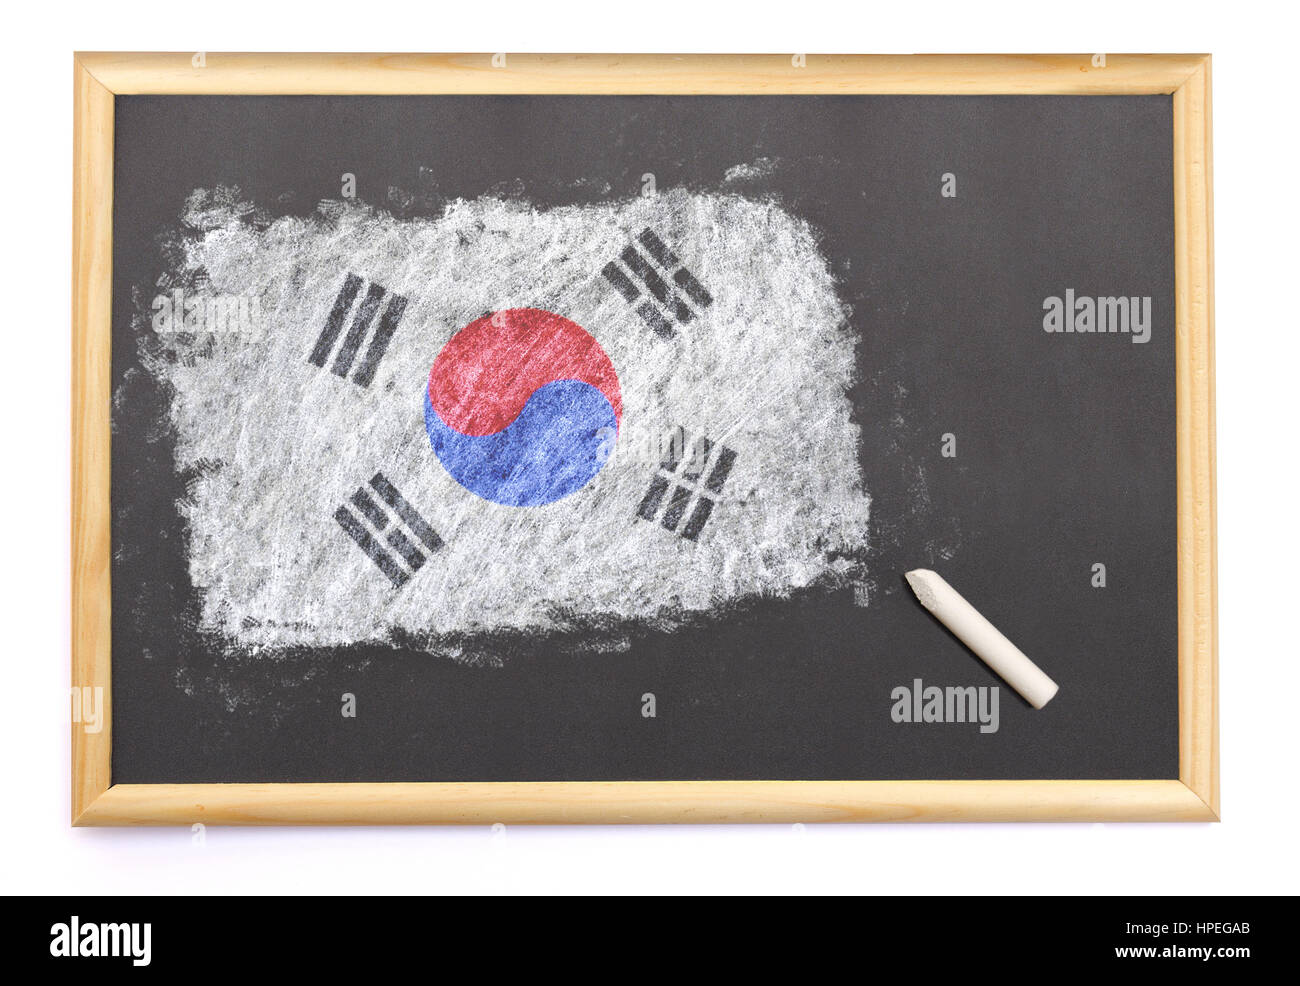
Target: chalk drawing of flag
(630,411)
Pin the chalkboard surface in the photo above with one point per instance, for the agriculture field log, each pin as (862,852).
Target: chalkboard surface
(902,256)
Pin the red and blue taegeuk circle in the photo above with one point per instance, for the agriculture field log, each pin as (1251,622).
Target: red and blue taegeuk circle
(522,407)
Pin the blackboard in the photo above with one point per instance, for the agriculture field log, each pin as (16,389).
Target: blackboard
(545,438)
(943,223)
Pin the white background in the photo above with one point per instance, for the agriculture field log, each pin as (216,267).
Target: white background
(1251,851)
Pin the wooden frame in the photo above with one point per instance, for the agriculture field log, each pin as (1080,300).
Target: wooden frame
(98,77)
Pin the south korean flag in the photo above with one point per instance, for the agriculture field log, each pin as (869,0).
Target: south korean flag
(510,418)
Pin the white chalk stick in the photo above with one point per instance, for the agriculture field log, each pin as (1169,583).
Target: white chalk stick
(981,636)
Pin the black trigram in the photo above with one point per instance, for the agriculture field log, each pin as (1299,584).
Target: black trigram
(682,473)
(399,512)
(365,314)
(654,268)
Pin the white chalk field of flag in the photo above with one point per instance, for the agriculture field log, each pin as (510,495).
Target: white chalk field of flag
(727,331)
